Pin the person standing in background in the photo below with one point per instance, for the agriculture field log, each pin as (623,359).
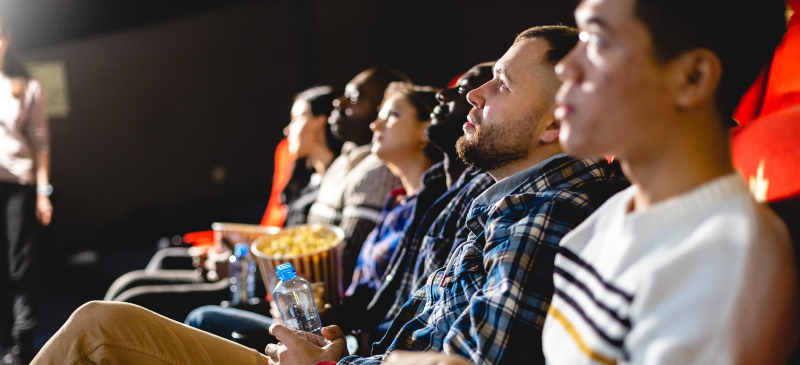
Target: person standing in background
(25,197)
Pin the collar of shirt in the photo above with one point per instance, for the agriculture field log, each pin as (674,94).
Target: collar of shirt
(504,188)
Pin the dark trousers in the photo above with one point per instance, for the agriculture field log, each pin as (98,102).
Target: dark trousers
(19,274)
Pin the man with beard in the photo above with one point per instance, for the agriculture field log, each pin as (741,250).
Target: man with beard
(488,304)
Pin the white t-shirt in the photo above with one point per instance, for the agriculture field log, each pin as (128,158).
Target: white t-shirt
(707,277)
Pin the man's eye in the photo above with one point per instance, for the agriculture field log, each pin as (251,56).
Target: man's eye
(590,38)
(503,85)
(393,114)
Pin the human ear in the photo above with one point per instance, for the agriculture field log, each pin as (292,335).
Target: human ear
(697,77)
(550,133)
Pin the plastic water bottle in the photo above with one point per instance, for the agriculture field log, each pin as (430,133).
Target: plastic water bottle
(295,301)
(243,275)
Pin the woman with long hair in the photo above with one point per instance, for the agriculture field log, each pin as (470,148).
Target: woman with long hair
(311,140)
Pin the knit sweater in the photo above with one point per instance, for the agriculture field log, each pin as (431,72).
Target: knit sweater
(707,277)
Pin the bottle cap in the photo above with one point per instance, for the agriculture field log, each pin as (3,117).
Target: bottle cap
(285,271)
(240,249)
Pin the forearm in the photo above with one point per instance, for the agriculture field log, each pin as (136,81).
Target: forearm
(43,168)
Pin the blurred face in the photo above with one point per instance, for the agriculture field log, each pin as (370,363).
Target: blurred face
(356,109)
(305,131)
(448,118)
(503,125)
(397,131)
(614,99)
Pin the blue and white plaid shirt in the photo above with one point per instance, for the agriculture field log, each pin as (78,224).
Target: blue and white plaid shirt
(490,302)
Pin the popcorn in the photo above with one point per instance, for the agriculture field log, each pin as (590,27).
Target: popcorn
(299,240)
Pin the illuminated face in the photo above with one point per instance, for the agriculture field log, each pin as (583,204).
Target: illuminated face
(306,131)
(357,108)
(504,123)
(398,134)
(613,100)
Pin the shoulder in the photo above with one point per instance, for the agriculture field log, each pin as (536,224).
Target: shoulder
(372,171)
(742,225)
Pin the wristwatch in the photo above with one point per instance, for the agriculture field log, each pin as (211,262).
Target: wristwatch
(44,189)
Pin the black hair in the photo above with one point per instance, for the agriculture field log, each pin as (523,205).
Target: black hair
(320,99)
(742,33)
(386,75)
(561,39)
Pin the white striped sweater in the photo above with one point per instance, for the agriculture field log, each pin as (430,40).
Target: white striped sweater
(707,277)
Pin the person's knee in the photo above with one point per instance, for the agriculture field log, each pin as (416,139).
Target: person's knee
(197,317)
(100,312)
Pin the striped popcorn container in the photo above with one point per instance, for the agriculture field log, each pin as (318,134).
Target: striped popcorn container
(323,268)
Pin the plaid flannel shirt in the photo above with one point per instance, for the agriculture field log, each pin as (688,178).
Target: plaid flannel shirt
(490,302)
(442,227)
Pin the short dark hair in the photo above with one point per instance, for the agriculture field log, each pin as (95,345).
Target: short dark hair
(386,75)
(561,39)
(742,33)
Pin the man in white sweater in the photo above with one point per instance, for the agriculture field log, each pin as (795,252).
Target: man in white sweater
(684,267)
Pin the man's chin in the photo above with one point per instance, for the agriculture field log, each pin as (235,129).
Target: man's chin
(335,130)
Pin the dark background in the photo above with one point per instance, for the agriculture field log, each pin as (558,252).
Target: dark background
(163,92)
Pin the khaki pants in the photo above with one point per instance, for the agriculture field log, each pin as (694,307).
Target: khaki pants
(121,333)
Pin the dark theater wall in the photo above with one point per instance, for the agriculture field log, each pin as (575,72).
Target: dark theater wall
(156,107)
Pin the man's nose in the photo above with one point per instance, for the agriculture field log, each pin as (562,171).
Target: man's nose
(338,103)
(475,97)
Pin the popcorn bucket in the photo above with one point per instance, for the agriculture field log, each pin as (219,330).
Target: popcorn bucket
(226,235)
(322,268)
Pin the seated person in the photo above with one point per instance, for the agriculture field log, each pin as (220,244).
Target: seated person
(311,140)
(500,276)
(684,267)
